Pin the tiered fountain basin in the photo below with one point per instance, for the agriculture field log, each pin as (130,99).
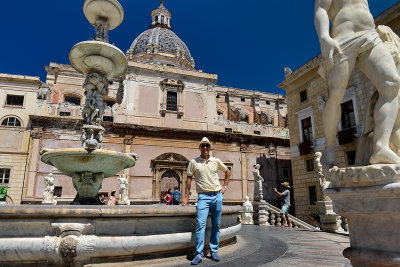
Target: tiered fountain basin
(89,234)
(76,160)
(98,57)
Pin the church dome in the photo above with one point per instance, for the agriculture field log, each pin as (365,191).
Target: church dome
(159,44)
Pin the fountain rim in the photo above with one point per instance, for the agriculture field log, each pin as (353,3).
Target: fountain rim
(76,57)
(113,23)
(89,211)
(81,152)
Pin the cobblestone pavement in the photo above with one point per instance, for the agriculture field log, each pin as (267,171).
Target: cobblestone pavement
(269,246)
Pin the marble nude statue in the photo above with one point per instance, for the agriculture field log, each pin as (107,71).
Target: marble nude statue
(123,190)
(322,182)
(48,194)
(353,40)
(364,150)
(258,182)
(248,211)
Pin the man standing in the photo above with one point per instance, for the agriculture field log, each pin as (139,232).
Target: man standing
(204,169)
(285,202)
(176,196)
(353,40)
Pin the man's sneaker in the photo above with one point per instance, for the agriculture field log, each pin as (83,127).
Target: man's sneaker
(196,260)
(214,257)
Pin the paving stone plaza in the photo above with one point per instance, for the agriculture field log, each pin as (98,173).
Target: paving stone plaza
(270,247)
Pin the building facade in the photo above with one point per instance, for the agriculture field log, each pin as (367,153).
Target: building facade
(306,96)
(160,109)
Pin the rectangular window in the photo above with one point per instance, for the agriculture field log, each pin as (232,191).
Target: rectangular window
(108,118)
(312,195)
(4,176)
(348,118)
(303,96)
(267,102)
(307,129)
(286,172)
(351,157)
(58,191)
(172,101)
(65,113)
(72,100)
(15,100)
(310,165)
(243,99)
(228,130)
(257,132)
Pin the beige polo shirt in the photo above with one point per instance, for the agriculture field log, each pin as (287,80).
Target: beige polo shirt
(206,173)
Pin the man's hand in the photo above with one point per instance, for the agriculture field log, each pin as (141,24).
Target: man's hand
(275,190)
(185,201)
(223,190)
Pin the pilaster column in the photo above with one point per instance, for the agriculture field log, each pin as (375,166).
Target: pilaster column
(243,160)
(34,156)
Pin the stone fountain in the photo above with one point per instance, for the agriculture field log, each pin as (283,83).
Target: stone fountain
(56,235)
(99,61)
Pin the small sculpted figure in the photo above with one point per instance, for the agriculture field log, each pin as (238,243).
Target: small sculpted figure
(352,40)
(48,197)
(258,182)
(248,214)
(123,190)
(96,87)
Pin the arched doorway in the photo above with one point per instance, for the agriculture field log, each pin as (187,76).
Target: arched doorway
(169,170)
(169,180)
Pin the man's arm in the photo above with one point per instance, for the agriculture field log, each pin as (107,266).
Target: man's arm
(226,181)
(277,192)
(185,201)
(321,21)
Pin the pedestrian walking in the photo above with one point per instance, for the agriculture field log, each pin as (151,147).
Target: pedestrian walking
(285,202)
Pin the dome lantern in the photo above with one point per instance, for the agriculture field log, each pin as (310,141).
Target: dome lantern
(161,17)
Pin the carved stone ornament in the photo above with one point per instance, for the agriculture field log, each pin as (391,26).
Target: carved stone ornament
(371,175)
(68,248)
(36,134)
(176,85)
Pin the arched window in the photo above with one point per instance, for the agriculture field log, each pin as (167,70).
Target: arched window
(11,121)
(162,19)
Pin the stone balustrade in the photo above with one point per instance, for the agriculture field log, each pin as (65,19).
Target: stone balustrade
(274,219)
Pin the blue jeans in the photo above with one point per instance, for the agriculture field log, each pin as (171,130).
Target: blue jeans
(205,203)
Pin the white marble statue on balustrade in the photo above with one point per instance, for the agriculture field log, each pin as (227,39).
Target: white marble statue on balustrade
(258,180)
(352,40)
(248,211)
(48,194)
(123,190)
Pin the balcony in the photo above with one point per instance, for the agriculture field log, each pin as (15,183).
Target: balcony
(346,136)
(305,148)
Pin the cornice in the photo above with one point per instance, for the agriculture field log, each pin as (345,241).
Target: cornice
(47,122)
(23,79)
(171,71)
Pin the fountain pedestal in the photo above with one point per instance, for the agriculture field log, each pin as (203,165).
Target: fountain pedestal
(369,198)
(328,217)
(260,215)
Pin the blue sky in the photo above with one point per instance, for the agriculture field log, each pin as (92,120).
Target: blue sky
(247,43)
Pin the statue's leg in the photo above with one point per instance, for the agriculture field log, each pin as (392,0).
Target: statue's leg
(378,65)
(338,78)
(395,137)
